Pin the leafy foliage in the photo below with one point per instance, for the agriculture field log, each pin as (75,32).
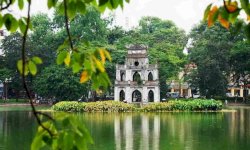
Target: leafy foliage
(68,134)
(240,64)
(187,105)
(113,106)
(228,13)
(58,82)
(210,51)
(100,106)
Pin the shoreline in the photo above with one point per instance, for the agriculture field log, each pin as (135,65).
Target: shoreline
(21,104)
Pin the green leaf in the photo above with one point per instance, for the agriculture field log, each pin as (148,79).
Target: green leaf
(61,56)
(233,16)
(223,13)
(114,3)
(10,22)
(20,4)
(37,60)
(14,25)
(71,9)
(22,25)
(77,57)
(76,67)
(20,67)
(47,139)
(51,3)
(7,21)
(81,7)
(99,65)
(207,12)
(103,2)
(32,67)
(67,59)
(37,143)
(67,140)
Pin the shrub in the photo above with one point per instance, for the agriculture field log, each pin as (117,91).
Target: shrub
(100,106)
(69,106)
(184,105)
(114,106)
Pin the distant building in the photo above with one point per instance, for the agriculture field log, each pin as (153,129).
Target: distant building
(238,89)
(137,80)
(183,88)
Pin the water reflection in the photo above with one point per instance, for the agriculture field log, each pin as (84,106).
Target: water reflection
(145,139)
(142,131)
(16,130)
(182,131)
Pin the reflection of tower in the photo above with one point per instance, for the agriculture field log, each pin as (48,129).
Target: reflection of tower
(156,133)
(145,133)
(128,132)
(117,133)
(124,133)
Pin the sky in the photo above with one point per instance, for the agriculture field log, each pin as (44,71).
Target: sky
(184,13)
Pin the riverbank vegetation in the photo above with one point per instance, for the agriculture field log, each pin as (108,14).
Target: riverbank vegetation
(114,106)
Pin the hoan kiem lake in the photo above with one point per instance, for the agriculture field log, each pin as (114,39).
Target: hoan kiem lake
(141,131)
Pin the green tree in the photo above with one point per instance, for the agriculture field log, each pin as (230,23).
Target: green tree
(240,64)
(88,27)
(60,83)
(44,40)
(210,51)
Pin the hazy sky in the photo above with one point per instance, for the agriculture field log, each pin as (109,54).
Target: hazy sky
(184,13)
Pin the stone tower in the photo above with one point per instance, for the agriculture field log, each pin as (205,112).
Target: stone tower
(137,80)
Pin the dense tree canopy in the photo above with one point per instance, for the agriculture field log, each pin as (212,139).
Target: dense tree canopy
(59,83)
(212,51)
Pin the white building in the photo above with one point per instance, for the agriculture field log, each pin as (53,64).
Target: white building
(137,80)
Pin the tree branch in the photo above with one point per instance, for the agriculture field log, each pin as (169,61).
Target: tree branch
(225,6)
(24,78)
(67,23)
(7,5)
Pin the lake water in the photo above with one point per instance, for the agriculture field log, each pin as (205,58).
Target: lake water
(142,131)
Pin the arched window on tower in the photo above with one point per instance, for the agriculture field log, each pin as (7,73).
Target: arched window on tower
(136,96)
(122,95)
(151,96)
(150,77)
(122,76)
(136,77)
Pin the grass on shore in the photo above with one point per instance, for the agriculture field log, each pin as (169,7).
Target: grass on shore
(11,101)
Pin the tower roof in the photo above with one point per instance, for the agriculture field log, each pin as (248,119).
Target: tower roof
(137,47)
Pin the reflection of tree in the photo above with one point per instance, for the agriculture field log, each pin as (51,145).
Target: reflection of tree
(17,129)
(143,131)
